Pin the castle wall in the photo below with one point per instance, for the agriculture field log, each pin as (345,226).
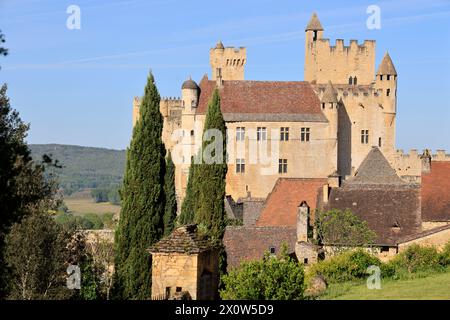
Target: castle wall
(339,62)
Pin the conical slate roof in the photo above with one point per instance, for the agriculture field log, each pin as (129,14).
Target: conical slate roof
(387,66)
(375,170)
(219,45)
(330,94)
(184,239)
(314,23)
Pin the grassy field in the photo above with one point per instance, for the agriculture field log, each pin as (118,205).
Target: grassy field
(432,287)
(87,205)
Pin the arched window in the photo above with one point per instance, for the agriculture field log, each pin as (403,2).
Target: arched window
(350,81)
(355,81)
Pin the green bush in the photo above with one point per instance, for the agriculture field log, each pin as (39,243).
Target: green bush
(444,256)
(273,278)
(347,266)
(414,260)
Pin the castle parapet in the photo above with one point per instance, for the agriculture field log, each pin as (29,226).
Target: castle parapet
(440,155)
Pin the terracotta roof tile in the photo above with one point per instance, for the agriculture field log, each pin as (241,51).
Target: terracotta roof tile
(250,243)
(281,204)
(435,192)
(248,99)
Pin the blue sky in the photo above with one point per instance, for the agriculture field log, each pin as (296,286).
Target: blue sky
(76,86)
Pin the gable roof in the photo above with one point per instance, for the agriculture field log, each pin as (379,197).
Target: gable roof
(250,243)
(435,192)
(314,23)
(375,170)
(386,66)
(184,239)
(283,201)
(243,100)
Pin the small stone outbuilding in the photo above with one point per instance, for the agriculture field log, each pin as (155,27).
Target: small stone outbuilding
(185,262)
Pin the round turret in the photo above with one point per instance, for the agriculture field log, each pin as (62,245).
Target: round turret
(189,93)
(190,84)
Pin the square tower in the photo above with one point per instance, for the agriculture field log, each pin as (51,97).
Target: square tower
(227,63)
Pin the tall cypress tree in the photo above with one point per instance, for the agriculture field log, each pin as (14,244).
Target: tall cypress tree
(187,208)
(170,211)
(210,177)
(141,218)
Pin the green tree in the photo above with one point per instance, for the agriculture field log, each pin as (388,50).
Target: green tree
(36,254)
(211,172)
(343,229)
(141,218)
(24,186)
(187,208)
(170,210)
(272,278)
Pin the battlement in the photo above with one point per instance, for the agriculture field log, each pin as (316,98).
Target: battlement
(440,155)
(340,46)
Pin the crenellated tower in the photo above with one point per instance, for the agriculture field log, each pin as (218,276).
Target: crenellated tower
(227,63)
(353,64)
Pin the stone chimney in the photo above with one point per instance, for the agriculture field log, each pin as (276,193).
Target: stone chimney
(302,222)
(426,161)
(326,193)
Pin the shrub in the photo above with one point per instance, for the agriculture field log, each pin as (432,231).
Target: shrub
(273,278)
(444,256)
(415,259)
(347,266)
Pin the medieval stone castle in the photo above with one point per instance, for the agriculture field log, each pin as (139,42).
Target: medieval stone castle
(334,139)
(326,124)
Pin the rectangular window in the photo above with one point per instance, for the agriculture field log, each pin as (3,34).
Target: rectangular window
(240,165)
(304,134)
(240,134)
(364,136)
(282,166)
(284,134)
(261,133)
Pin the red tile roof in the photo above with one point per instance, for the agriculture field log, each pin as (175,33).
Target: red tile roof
(287,194)
(250,243)
(262,97)
(436,192)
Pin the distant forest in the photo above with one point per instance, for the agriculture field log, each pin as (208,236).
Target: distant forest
(84,167)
